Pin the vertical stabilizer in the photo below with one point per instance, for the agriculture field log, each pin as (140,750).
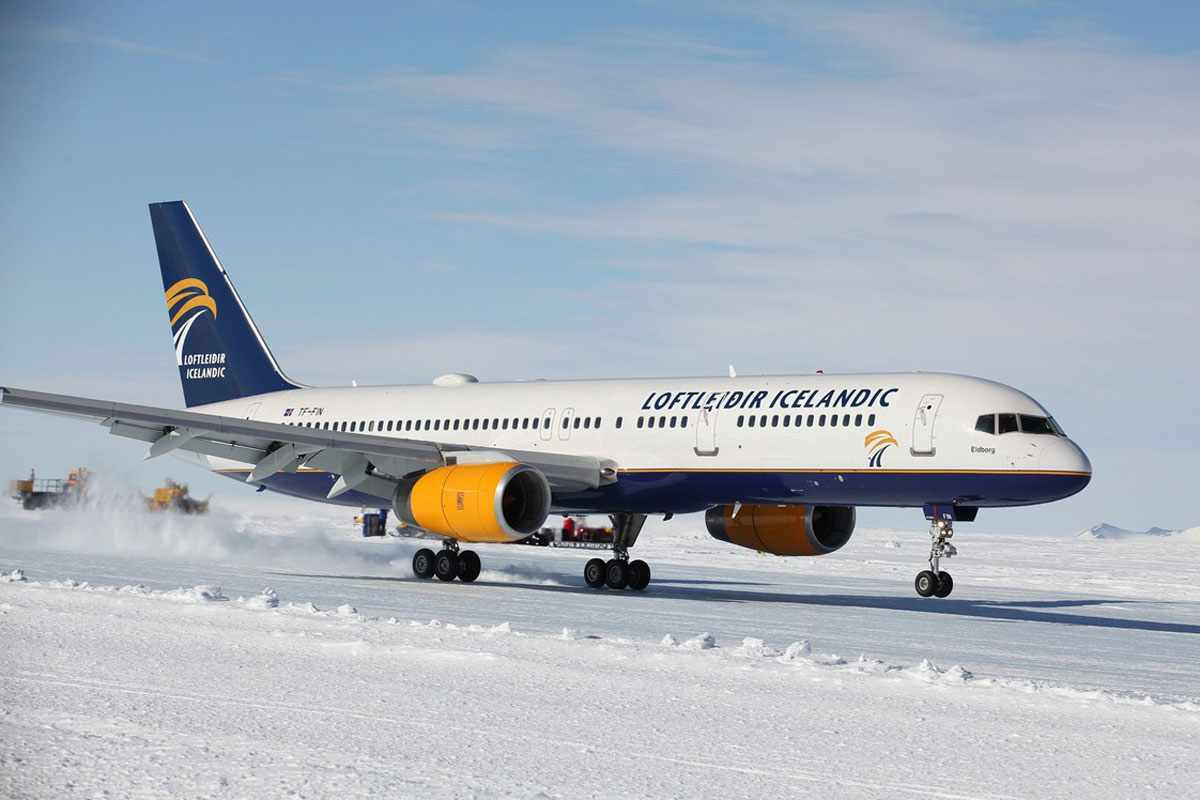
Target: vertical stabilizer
(219,351)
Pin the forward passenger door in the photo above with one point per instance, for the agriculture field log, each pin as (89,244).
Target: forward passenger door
(923,421)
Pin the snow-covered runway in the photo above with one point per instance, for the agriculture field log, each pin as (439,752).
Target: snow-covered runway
(1059,668)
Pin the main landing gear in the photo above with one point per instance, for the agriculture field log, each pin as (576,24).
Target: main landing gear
(447,564)
(934,582)
(619,572)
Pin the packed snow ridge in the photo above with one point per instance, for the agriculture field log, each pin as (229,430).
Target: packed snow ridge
(796,654)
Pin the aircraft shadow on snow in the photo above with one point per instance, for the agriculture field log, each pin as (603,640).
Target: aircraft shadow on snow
(708,591)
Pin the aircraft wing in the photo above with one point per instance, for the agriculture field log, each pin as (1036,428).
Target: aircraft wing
(363,461)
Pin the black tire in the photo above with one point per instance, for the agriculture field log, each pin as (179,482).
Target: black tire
(616,574)
(468,566)
(639,575)
(593,573)
(945,585)
(445,566)
(926,583)
(423,563)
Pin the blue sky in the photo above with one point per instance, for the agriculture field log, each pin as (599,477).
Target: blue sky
(1003,189)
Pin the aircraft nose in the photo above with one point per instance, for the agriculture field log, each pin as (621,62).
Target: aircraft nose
(1068,460)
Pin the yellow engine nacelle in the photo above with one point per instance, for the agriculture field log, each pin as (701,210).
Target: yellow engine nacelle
(783,530)
(500,502)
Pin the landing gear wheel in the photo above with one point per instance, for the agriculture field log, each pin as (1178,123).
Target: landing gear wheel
(945,585)
(616,574)
(423,563)
(446,565)
(926,583)
(468,566)
(639,575)
(594,573)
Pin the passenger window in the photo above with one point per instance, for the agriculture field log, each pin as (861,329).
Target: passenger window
(775,421)
(858,420)
(683,422)
(504,424)
(596,424)
(820,420)
(750,421)
(845,420)
(536,420)
(619,421)
(639,422)
(587,423)
(811,419)
(525,424)
(986,423)
(833,420)
(674,421)
(741,420)
(787,420)
(1007,423)
(475,424)
(871,420)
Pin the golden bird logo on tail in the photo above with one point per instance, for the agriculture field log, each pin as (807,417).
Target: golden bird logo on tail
(877,442)
(189,294)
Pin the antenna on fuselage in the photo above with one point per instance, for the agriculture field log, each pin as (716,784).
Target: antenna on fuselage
(732,371)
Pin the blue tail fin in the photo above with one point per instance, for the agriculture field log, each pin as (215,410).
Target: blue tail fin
(220,353)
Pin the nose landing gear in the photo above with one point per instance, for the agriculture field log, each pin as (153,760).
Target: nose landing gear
(934,582)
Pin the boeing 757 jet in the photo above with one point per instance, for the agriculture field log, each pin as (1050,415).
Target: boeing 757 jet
(777,463)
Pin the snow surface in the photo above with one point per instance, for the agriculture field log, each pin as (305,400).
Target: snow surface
(268,652)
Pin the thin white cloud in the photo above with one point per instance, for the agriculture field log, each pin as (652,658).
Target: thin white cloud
(64,35)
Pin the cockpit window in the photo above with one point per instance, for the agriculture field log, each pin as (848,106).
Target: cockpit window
(1039,425)
(986,423)
(1008,423)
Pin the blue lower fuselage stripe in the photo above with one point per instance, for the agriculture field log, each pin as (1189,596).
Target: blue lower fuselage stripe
(686,491)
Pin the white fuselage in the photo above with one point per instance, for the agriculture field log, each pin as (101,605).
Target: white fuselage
(681,444)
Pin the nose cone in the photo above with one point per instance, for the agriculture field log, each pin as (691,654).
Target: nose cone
(1067,460)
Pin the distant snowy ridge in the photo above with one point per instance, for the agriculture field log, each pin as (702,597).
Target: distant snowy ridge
(1107,531)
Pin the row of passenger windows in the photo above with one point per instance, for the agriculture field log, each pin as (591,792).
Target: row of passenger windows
(474,424)
(572,422)
(1018,423)
(814,420)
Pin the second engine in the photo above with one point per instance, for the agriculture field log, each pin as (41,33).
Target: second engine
(500,502)
(783,530)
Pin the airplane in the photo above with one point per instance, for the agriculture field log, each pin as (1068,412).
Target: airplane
(777,463)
